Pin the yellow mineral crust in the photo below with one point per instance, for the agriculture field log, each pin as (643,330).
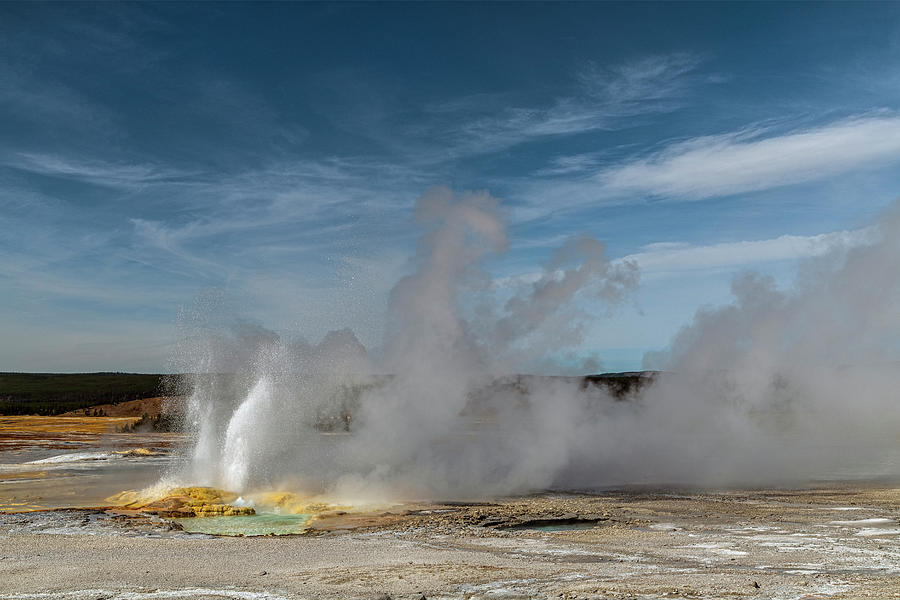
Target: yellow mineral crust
(290,503)
(184,502)
(199,501)
(204,495)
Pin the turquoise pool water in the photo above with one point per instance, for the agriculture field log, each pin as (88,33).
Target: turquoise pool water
(258,524)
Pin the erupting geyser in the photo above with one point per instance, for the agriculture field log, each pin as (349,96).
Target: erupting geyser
(779,386)
(241,441)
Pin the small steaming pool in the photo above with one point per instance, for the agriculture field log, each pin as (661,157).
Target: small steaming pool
(555,525)
(562,526)
(252,525)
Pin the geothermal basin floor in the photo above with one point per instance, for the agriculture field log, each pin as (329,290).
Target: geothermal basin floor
(839,542)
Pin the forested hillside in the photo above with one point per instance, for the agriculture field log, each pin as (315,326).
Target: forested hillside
(55,393)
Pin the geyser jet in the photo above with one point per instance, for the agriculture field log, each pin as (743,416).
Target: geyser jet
(776,387)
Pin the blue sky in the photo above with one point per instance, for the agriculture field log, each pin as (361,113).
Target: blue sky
(155,155)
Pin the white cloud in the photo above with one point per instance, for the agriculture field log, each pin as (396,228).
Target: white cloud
(665,258)
(656,77)
(747,161)
(118,175)
(607,96)
(317,199)
(570,164)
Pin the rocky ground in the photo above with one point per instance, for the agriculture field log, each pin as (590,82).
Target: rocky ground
(842,542)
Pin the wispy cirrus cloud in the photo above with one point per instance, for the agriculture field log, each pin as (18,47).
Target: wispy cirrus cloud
(638,82)
(667,259)
(232,226)
(671,258)
(751,160)
(97,172)
(748,160)
(606,97)
(570,164)
(178,230)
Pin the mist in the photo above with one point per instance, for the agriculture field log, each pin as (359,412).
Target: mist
(777,387)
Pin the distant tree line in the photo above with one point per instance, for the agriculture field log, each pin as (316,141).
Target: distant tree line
(160,422)
(55,393)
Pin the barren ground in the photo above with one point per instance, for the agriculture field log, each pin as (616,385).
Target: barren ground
(839,541)
(834,543)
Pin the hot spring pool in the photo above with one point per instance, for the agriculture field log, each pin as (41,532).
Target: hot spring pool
(258,524)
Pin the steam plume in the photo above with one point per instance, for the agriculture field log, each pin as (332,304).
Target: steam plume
(779,386)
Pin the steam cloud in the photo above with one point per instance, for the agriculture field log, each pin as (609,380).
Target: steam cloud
(776,387)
